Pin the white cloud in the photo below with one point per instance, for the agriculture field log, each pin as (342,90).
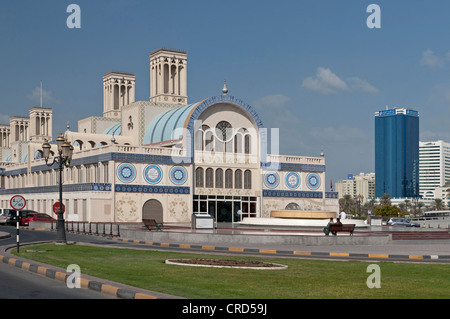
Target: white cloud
(47,97)
(326,82)
(357,83)
(432,60)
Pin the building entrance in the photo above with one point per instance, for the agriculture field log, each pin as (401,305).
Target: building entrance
(226,209)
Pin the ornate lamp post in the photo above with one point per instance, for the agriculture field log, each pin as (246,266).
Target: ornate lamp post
(65,150)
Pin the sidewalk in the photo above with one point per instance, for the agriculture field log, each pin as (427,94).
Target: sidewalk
(307,242)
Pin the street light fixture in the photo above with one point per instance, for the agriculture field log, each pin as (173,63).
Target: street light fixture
(65,151)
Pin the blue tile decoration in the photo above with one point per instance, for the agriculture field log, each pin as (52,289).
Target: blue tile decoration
(313,181)
(271,179)
(86,187)
(182,190)
(126,172)
(331,194)
(296,194)
(292,180)
(178,175)
(153,174)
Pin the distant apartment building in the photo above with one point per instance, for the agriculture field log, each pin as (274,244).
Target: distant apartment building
(357,185)
(434,167)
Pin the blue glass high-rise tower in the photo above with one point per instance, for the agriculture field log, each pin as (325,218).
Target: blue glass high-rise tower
(397,153)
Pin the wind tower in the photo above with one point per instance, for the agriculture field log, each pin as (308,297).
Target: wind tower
(168,76)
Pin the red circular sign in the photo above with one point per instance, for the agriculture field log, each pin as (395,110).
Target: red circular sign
(56,208)
(18,202)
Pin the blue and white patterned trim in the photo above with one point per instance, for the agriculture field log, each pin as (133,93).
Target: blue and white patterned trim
(178,175)
(150,189)
(271,179)
(153,174)
(126,172)
(313,181)
(292,180)
(295,194)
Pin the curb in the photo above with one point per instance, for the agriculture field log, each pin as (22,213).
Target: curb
(61,275)
(285,252)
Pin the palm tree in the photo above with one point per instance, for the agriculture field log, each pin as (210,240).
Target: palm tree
(438,204)
(345,203)
(385,200)
(370,205)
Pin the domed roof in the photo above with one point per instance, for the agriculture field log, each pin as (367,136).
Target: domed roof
(116,129)
(169,125)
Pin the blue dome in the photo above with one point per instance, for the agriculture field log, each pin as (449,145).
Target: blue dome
(115,129)
(165,125)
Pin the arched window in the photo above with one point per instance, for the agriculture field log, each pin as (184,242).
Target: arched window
(224,139)
(247,179)
(209,141)
(239,140)
(199,140)
(219,178)
(209,183)
(228,178)
(247,143)
(292,206)
(238,179)
(199,177)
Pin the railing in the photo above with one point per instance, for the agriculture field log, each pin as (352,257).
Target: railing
(98,229)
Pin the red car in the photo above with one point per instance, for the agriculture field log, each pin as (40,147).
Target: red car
(36,217)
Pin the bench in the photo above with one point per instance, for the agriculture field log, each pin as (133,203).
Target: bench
(152,224)
(333,228)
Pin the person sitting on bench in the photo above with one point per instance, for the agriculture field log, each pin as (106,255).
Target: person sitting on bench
(338,222)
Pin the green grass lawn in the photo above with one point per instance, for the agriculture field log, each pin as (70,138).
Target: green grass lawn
(305,278)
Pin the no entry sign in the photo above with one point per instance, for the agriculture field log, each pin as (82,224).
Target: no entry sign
(56,208)
(18,202)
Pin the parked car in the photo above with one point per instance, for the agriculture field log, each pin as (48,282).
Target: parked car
(11,217)
(4,215)
(2,219)
(36,217)
(394,221)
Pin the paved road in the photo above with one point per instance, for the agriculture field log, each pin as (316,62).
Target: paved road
(20,284)
(16,283)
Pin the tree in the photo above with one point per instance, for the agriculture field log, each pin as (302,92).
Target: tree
(345,203)
(385,200)
(370,205)
(437,204)
(387,211)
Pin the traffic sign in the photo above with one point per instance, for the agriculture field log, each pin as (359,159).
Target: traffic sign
(18,202)
(56,208)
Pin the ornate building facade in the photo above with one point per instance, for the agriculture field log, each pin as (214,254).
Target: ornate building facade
(163,158)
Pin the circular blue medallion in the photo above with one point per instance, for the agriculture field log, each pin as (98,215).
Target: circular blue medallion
(292,180)
(178,175)
(313,181)
(126,172)
(153,174)
(271,179)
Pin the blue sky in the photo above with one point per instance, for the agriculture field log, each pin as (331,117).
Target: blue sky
(311,68)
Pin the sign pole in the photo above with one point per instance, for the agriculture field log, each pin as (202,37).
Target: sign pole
(18,240)
(18,203)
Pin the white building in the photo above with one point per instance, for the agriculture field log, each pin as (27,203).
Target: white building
(163,158)
(357,185)
(434,167)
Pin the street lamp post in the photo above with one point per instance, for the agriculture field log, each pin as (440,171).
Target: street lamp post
(65,151)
